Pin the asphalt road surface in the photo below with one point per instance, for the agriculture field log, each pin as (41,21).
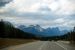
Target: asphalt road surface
(43,45)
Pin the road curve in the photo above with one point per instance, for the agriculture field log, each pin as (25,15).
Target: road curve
(42,45)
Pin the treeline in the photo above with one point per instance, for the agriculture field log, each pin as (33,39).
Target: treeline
(7,30)
(71,35)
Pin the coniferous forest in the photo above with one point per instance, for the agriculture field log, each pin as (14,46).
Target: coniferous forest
(7,30)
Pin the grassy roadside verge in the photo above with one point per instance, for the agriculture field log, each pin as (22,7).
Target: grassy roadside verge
(5,42)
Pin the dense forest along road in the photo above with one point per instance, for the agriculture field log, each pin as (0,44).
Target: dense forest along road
(43,45)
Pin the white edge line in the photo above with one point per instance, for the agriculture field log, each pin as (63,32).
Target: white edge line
(61,46)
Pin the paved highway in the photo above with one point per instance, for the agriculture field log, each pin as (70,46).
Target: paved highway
(43,45)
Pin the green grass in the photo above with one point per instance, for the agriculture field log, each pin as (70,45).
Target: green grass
(5,42)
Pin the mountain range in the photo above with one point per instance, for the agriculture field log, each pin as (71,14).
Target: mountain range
(39,31)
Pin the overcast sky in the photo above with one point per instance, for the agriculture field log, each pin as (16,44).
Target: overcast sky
(46,13)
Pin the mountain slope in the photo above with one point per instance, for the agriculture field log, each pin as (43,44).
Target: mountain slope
(39,31)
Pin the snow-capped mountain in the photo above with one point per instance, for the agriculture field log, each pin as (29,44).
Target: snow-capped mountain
(38,30)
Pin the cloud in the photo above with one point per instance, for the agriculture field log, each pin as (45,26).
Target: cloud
(59,7)
(4,2)
(66,7)
(47,13)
